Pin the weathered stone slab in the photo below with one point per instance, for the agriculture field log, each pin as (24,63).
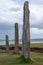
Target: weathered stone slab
(16,38)
(26,32)
(7,44)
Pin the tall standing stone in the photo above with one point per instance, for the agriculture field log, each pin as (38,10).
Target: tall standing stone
(16,38)
(26,32)
(7,44)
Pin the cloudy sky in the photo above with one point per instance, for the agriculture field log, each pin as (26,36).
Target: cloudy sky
(11,11)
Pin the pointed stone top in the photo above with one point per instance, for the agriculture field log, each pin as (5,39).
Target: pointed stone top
(6,35)
(26,3)
(16,24)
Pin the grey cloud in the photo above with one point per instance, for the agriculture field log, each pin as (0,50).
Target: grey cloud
(15,9)
(13,0)
(34,22)
(39,2)
(6,26)
(40,26)
(19,1)
(37,25)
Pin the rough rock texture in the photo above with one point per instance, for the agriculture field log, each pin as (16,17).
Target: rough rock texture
(16,38)
(7,44)
(26,32)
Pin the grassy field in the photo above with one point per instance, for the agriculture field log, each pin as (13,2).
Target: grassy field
(37,45)
(14,59)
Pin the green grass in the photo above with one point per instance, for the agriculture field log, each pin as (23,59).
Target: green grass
(37,45)
(17,59)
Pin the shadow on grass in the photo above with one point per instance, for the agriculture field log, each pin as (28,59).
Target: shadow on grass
(14,53)
(22,60)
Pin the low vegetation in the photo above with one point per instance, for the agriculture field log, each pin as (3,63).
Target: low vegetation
(37,45)
(17,59)
(36,58)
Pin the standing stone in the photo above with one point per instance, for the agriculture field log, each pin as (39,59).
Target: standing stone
(26,32)
(16,38)
(7,44)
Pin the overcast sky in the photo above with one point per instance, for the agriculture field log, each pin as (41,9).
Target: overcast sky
(11,11)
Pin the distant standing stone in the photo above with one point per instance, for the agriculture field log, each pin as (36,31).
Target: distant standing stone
(7,44)
(16,38)
(26,32)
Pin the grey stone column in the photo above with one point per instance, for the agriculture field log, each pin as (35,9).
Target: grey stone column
(7,44)
(16,38)
(26,32)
